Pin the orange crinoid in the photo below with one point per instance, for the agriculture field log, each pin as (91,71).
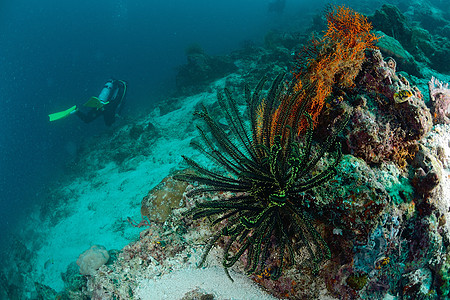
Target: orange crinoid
(349,30)
(334,60)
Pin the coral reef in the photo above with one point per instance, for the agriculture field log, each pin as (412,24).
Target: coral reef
(162,199)
(273,196)
(201,69)
(14,278)
(270,174)
(440,101)
(125,147)
(427,171)
(92,259)
(426,43)
(405,118)
(148,257)
(334,61)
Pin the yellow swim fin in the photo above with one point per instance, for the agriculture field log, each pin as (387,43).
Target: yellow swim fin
(62,114)
(94,102)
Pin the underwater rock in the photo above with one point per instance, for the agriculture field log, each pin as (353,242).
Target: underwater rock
(378,75)
(121,147)
(389,114)
(391,47)
(368,138)
(268,63)
(137,130)
(440,55)
(202,69)
(74,282)
(354,201)
(92,259)
(390,20)
(288,40)
(437,201)
(45,292)
(153,254)
(154,246)
(443,275)
(162,199)
(424,255)
(430,18)
(404,246)
(9,289)
(198,294)
(427,47)
(428,171)
(444,31)
(414,114)
(440,101)
(22,255)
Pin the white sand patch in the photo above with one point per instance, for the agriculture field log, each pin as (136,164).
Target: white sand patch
(98,213)
(99,204)
(211,280)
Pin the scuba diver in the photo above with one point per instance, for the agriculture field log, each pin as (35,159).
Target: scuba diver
(107,104)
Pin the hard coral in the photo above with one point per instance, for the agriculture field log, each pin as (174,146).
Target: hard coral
(146,258)
(162,199)
(92,259)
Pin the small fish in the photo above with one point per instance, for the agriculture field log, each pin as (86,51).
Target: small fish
(381,262)
(48,263)
(402,96)
(335,101)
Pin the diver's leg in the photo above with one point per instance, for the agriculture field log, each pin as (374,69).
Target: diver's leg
(90,116)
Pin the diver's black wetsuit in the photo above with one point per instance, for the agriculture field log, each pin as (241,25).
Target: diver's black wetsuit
(115,99)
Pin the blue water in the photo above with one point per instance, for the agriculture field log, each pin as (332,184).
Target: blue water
(55,54)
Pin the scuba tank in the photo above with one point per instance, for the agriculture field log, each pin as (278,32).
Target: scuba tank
(106,92)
